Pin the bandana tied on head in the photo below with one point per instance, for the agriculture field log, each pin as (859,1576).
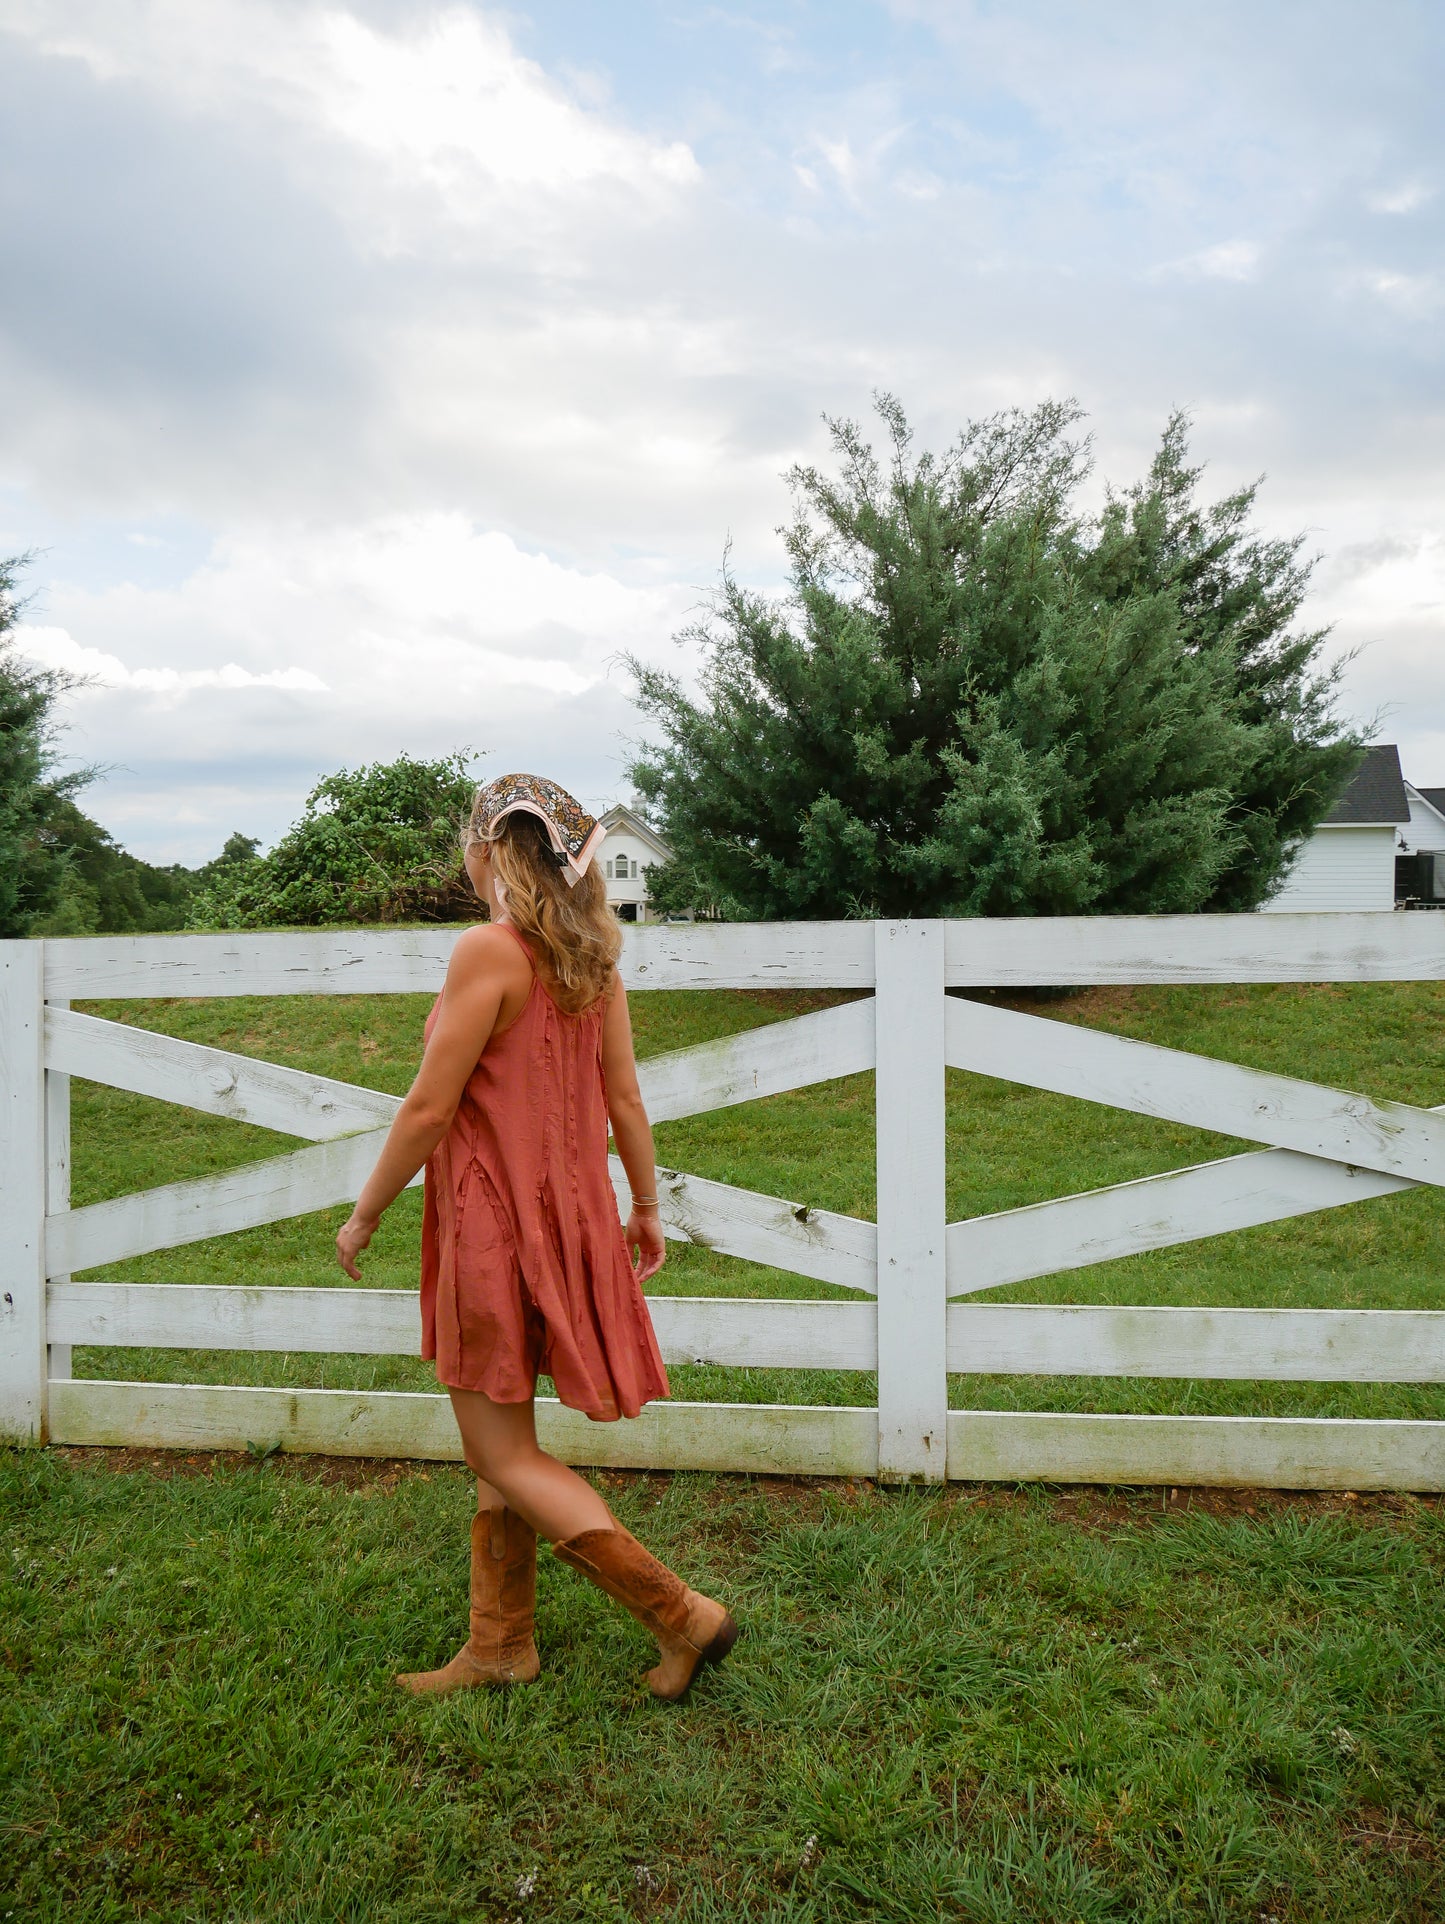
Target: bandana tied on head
(575,835)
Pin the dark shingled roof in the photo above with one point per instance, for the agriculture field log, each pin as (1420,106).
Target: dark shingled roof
(1376,792)
(1434,796)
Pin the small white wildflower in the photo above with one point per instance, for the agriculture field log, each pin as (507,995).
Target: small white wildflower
(645,1878)
(114,1570)
(810,1853)
(1343,1741)
(526,1885)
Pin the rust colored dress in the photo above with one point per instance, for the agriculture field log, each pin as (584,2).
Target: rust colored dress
(524,1267)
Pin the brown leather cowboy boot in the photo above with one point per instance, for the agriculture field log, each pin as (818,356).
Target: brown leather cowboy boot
(500,1649)
(691,1630)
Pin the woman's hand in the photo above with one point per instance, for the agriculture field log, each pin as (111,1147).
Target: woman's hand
(645,1240)
(351,1239)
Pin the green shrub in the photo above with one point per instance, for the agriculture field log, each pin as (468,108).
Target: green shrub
(375,844)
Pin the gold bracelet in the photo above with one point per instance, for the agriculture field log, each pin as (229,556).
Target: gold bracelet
(644,1199)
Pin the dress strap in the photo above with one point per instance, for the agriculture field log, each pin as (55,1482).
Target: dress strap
(518,936)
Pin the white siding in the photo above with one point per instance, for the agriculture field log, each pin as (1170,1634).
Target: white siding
(1341,868)
(1426,829)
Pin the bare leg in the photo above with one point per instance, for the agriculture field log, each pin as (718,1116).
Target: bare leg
(499,1441)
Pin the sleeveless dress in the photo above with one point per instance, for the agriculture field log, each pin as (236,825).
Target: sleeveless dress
(524,1265)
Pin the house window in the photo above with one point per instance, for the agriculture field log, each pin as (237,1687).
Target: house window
(634,871)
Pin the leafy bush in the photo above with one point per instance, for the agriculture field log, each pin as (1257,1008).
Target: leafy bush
(375,844)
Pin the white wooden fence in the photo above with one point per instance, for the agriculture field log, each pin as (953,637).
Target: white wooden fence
(1323,1147)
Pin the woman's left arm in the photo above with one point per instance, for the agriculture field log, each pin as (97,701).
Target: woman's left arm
(476,981)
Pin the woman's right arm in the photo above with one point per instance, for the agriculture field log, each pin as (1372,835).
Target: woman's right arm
(632,1133)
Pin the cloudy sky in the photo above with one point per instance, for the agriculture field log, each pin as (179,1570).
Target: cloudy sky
(372,373)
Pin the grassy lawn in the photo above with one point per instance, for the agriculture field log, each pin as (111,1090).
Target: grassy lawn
(1007,1145)
(981,1705)
(977,1705)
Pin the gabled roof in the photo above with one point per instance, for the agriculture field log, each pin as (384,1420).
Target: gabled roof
(1375,794)
(619,816)
(1434,796)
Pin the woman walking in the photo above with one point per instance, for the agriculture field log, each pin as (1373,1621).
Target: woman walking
(525,1266)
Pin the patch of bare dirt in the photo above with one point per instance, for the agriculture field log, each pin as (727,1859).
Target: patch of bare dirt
(1091,1506)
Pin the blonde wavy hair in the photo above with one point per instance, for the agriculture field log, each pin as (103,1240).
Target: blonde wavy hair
(573,927)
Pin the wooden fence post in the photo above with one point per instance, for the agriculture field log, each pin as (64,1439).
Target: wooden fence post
(912,1289)
(57,1181)
(22,1193)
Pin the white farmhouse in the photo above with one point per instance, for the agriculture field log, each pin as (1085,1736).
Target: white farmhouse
(1349,860)
(627,854)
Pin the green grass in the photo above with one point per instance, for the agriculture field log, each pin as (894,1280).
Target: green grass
(981,1705)
(1007,1146)
(977,1705)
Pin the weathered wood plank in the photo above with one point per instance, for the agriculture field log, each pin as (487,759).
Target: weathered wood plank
(767,1334)
(355,1322)
(762,1229)
(1261,1452)
(413,961)
(912,1376)
(1008,951)
(23,1372)
(1390,1137)
(1365,1346)
(761,1062)
(748,955)
(286,962)
(187,1212)
(57,1180)
(1252,1345)
(769,1438)
(216,1081)
(1153,1212)
(1019,952)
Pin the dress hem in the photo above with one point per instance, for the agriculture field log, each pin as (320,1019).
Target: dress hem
(622,1416)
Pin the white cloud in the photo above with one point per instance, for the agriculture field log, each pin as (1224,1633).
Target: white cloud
(460,368)
(1235,260)
(1401,200)
(453,95)
(443,107)
(1411,294)
(416,633)
(56,648)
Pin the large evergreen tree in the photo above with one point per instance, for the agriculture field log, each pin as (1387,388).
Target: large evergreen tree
(33,870)
(979,700)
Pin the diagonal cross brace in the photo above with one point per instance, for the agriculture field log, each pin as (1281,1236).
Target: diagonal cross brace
(684,1082)
(1392,1138)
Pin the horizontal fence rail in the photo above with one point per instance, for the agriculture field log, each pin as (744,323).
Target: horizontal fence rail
(910,1273)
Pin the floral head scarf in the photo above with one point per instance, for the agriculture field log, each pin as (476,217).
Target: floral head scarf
(575,835)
